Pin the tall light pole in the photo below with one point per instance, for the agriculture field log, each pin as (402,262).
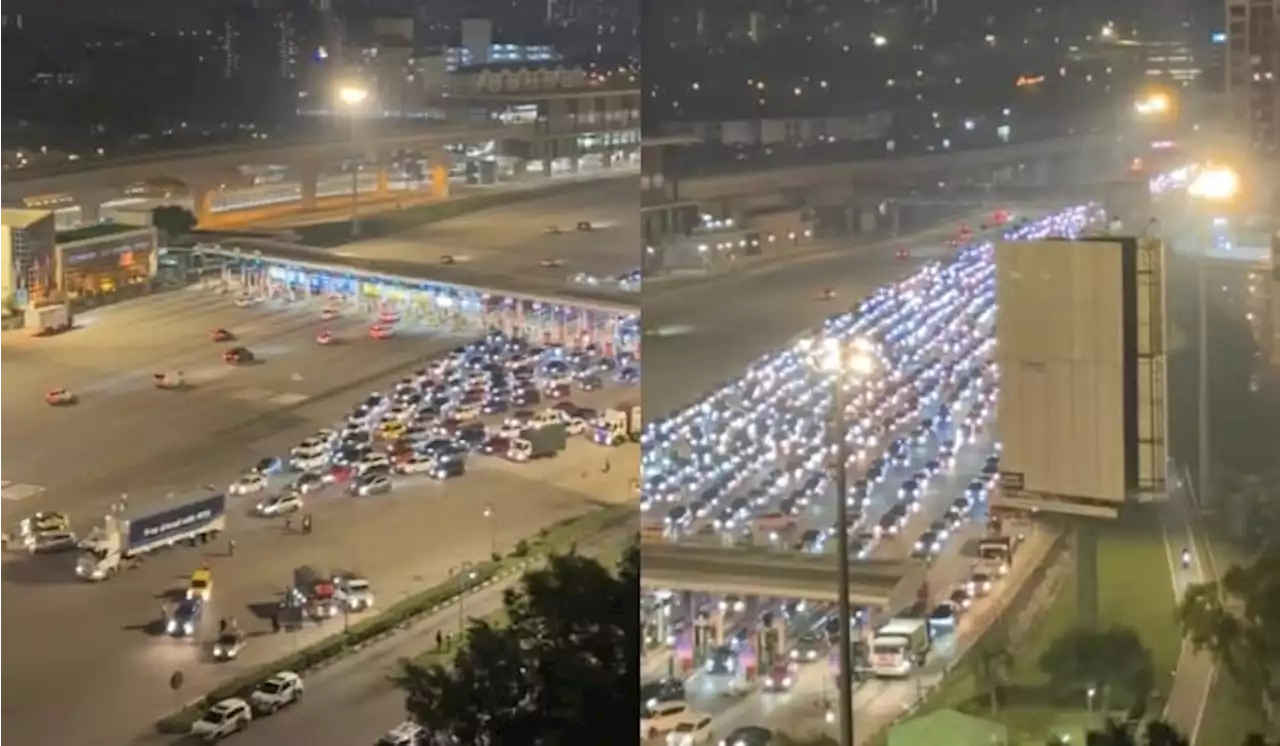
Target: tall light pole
(352,96)
(1213,186)
(493,532)
(840,361)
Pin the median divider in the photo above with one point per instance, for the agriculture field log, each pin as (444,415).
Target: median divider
(557,538)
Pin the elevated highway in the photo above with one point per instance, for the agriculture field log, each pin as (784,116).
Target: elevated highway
(890,584)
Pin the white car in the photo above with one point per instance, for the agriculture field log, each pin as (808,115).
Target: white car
(467,412)
(693,729)
(248,484)
(398,413)
(310,448)
(373,461)
(417,464)
(289,502)
(226,718)
(661,718)
(575,426)
(280,690)
(552,262)
(246,301)
(404,734)
(313,462)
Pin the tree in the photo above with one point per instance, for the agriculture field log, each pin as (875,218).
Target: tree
(564,666)
(1154,733)
(1111,662)
(173,220)
(1237,619)
(992,663)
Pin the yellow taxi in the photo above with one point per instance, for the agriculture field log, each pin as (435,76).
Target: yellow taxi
(392,430)
(201,584)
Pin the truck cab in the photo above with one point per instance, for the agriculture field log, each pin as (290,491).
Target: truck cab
(995,555)
(201,586)
(618,426)
(899,647)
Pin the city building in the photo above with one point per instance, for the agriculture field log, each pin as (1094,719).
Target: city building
(793,130)
(1252,65)
(27,240)
(106,263)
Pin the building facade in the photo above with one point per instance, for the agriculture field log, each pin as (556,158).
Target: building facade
(27,240)
(1252,65)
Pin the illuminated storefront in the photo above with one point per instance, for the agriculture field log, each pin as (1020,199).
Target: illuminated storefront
(98,266)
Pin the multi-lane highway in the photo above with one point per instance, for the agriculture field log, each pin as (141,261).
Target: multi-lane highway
(517,242)
(353,701)
(96,645)
(700,334)
(769,444)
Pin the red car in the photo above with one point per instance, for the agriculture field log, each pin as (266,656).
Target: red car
(342,474)
(827,294)
(222,335)
(237,356)
(381,331)
(903,252)
(325,337)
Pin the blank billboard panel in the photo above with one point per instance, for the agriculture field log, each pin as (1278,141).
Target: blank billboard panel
(1061,348)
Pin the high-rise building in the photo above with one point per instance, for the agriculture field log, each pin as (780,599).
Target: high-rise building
(1253,64)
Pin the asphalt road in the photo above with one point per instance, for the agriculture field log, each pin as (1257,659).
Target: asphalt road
(352,701)
(701,334)
(94,645)
(512,241)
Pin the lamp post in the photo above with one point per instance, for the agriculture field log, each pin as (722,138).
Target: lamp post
(1212,186)
(352,97)
(839,360)
(466,573)
(493,532)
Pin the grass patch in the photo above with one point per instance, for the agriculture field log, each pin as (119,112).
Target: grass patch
(557,538)
(1134,590)
(338,233)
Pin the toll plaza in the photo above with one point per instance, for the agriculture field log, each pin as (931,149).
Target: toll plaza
(574,320)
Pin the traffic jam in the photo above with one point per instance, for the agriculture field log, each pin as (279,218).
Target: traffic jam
(748,465)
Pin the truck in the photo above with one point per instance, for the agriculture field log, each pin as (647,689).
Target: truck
(50,318)
(618,425)
(545,441)
(199,516)
(995,555)
(899,647)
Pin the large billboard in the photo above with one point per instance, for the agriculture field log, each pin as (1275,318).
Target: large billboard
(1079,344)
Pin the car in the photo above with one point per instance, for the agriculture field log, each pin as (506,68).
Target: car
(902,252)
(281,690)
(201,585)
(281,504)
(448,260)
(184,621)
(405,734)
(60,397)
(661,717)
(585,225)
(248,484)
(662,690)
(381,331)
(551,263)
(392,430)
(808,648)
(246,301)
(748,735)
(448,468)
(827,294)
(228,645)
(372,484)
(553,230)
(355,591)
(329,314)
(44,522)
(238,356)
(325,337)
(228,717)
(48,542)
(779,679)
(692,729)
(268,466)
(373,462)
(222,335)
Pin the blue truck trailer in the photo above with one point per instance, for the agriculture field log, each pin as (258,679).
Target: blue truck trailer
(196,517)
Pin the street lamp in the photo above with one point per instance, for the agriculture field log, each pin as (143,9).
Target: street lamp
(841,360)
(1213,186)
(493,532)
(466,574)
(352,96)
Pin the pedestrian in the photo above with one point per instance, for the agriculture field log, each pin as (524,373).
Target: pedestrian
(222,626)
(306,525)
(607,465)
(231,547)
(288,525)
(439,640)
(275,623)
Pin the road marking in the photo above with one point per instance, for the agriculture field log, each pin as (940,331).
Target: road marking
(288,400)
(252,394)
(18,491)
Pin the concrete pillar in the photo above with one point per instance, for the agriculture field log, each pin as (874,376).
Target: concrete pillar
(574,164)
(202,202)
(1040,173)
(383,185)
(90,205)
(308,182)
(606,159)
(546,167)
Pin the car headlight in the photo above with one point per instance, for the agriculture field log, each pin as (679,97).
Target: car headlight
(219,650)
(188,628)
(171,627)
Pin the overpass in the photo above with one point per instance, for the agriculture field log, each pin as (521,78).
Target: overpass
(762,572)
(1009,173)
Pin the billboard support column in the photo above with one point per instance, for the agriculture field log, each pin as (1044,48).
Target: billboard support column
(1087,573)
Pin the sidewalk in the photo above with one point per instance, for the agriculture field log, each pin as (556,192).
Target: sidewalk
(1193,678)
